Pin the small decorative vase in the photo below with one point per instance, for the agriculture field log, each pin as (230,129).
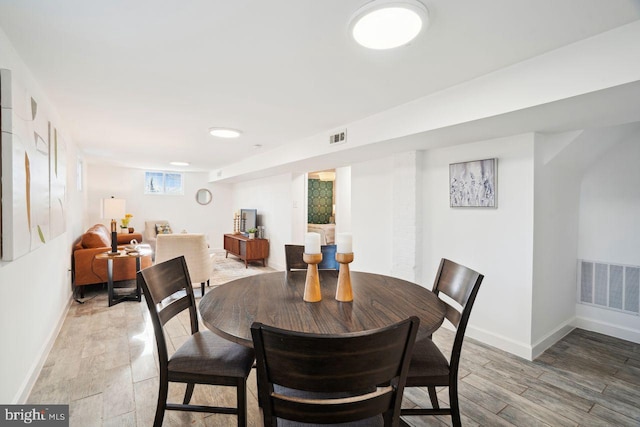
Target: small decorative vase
(252,235)
(124,230)
(131,230)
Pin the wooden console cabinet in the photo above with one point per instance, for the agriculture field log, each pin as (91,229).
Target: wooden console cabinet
(246,249)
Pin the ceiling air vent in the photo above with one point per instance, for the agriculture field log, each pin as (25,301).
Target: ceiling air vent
(340,137)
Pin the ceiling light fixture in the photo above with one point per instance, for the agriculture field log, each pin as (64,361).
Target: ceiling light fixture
(327,176)
(179,163)
(385,24)
(225,132)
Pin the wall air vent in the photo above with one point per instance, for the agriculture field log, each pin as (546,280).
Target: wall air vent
(611,286)
(340,137)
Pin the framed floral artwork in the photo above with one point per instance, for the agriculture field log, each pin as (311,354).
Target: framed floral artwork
(473,184)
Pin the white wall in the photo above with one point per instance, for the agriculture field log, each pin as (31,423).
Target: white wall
(372,216)
(495,242)
(343,199)
(299,189)
(182,212)
(35,289)
(272,197)
(526,248)
(281,202)
(610,206)
(407,216)
(557,192)
(610,230)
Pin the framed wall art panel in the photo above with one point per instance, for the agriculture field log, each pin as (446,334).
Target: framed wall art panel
(57,184)
(473,184)
(33,177)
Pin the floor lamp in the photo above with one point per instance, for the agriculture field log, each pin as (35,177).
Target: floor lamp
(111,209)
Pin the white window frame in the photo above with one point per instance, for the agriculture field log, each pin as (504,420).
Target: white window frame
(155,188)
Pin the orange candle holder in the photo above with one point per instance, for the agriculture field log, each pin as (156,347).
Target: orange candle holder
(344,293)
(312,283)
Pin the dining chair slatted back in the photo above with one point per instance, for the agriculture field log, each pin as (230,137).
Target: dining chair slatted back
(429,367)
(458,283)
(167,280)
(204,358)
(323,379)
(294,260)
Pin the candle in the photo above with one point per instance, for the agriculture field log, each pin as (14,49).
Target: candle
(312,243)
(344,241)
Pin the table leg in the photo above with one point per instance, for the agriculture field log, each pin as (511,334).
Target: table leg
(131,296)
(138,290)
(110,280)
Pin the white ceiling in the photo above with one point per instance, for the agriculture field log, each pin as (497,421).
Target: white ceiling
(149,77)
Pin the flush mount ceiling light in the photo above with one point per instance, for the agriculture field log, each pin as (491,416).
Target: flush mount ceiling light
(385,24)
(179,163)
(327,176)
(224,132)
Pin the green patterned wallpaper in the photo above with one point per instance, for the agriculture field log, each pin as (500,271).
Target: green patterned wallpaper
(320,204)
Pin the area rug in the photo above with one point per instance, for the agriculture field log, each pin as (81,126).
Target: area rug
(231,268)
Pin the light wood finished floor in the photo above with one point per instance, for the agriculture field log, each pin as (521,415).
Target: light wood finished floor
(104,366)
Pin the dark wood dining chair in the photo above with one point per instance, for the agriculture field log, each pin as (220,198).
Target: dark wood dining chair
(429,367)
(324,379)
(205,358)
(293,257)
(294,261)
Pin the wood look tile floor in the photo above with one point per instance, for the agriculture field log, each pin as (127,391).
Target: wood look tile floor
(104,365)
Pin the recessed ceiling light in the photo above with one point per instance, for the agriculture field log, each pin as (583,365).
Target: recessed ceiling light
(224,132)
(385,24)
(179,163)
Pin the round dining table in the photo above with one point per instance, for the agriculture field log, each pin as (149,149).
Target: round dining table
(276,299)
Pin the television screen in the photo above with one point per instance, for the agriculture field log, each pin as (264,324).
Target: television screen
(249,217)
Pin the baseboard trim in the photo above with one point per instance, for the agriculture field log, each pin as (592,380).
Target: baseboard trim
(553,337)
(607,328)
(503,343)
(531,352)
(25,390)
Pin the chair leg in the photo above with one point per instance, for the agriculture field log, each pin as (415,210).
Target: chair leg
(241,397)
(453,404)
(162,402)
(208,282)
(202,289)
(434,397)
(188,393)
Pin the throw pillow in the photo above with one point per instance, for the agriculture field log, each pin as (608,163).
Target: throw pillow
(163,229)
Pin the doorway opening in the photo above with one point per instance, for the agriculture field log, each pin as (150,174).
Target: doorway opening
(321,205)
